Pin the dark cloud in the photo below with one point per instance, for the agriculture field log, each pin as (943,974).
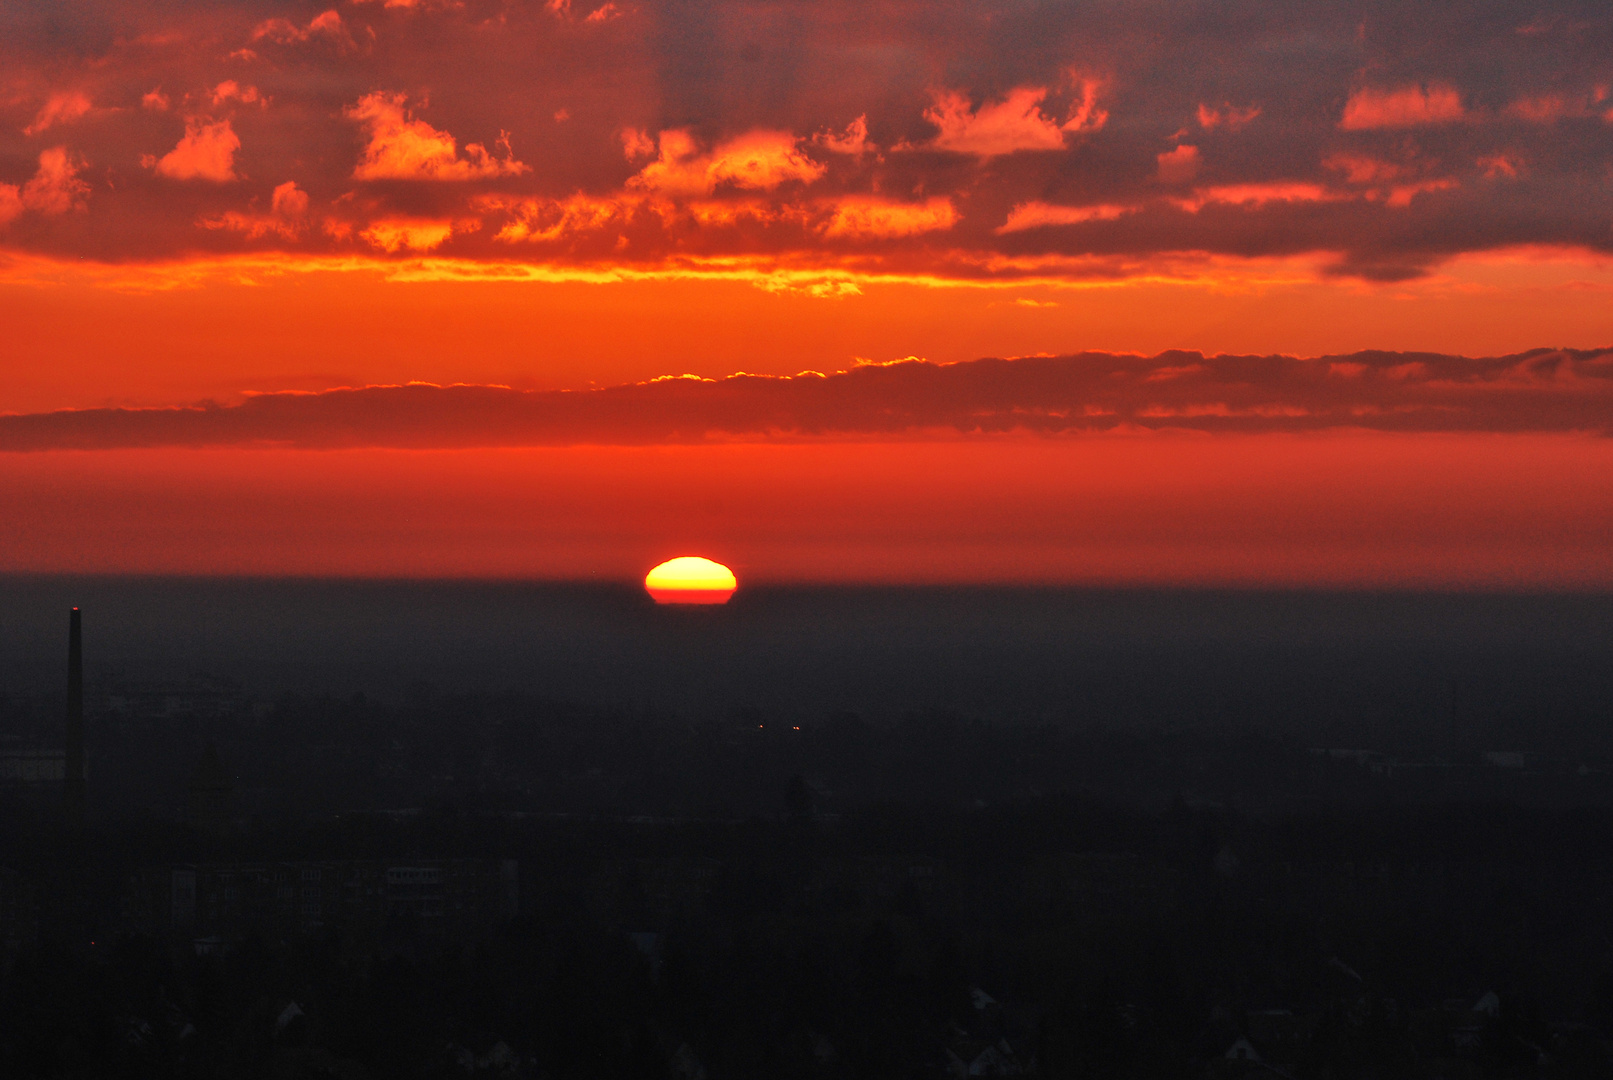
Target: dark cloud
(1525,159)
(1545,390)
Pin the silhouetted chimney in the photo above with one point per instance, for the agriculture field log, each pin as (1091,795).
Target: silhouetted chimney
(73,773)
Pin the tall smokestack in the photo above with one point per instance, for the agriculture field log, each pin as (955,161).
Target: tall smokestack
(73,785)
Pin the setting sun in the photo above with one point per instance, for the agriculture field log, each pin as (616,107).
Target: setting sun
(690,580)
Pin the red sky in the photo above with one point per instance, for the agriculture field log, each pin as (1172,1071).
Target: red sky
(1174,230)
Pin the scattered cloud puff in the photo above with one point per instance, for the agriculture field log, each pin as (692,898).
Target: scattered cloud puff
(396,234)
(54,189)
(1041,215)
(1015,123)
(853,140)
(539,220)
(1403,107)
(870,218)
(61,108)
(636,144)
(1363,168)
(1226,116)
(327,26)
(1393,184)
(289,202)
(1543,390)
(1004,127)
(1400,196)
(1257,195)
(288,211)
(1178,166)
(410,5)
(854,218)
(563,9)
(206,152)
(401,147)
(231,91)
(155,100)
(756,160)
(1500,165)
(1550,108)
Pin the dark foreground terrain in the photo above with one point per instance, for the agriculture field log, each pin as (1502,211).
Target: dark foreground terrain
(1052,937)
(830,835)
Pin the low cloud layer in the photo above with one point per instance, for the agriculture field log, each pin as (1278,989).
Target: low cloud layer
(1545,390)
(1380,138)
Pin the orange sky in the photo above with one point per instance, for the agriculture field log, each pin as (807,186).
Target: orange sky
(112,339)
(1350,510)
(204,202)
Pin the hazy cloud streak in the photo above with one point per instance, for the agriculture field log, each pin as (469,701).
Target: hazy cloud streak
(1540,391)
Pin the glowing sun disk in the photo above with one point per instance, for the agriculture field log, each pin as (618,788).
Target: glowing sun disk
(690,579)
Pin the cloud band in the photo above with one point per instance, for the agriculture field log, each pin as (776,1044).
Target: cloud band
(1544,390)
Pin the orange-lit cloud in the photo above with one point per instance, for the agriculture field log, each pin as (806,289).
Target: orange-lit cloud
(1230,117)
(1393,184)
(636,144)
(853,140)
(231,91)
(1401,195)
(205,152)
(1500,165)
(54,189)
(1016,122)
(1038,215)
(1402,107)
(544,220)
(289,202)
(878,218)
(403,148)
(1256,195)
(430,5)
(1549,108)
(326,25)
(587,15)
(757,160)
(1362,169)
(288,209)
(394,234)
(1179,165)
(61,108)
